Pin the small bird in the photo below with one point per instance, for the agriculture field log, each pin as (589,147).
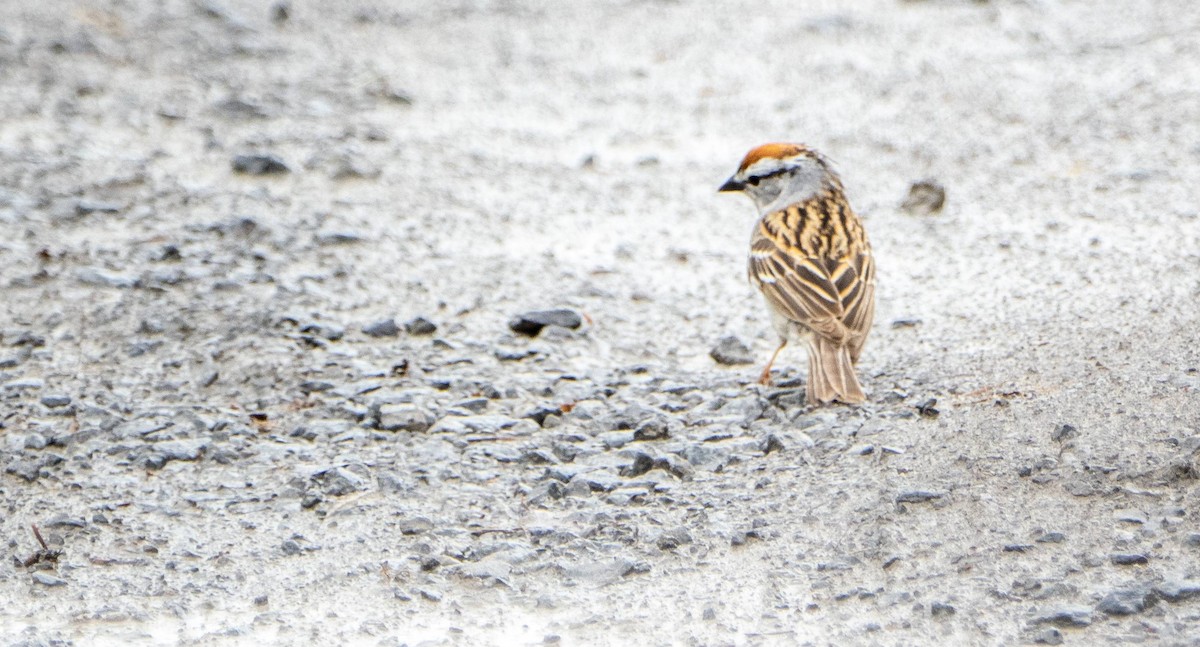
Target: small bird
(810,258)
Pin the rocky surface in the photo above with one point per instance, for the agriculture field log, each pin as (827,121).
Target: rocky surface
(210,412)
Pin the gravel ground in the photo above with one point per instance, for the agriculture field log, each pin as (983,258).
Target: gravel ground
(258,382)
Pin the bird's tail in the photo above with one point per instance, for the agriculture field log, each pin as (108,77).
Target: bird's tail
(831,374)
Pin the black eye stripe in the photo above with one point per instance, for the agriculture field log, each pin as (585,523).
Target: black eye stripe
(754,180)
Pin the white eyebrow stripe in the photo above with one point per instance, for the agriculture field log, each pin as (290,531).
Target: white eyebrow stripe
(765,166)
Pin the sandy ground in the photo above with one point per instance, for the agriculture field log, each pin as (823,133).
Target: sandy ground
(192,413)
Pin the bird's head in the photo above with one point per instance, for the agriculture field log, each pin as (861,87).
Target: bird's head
(777,175)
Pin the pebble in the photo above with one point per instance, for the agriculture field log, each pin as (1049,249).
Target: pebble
(771,444)
(927,408)
(1065,617)
(28,384)
(382,328)
(1129,559)
(1064,432)
(531,323)
(55,401)
(474,405)
(63,521)
(492,569)
(513,354)
(918,496)
(1124,602)
(315,386)
(84,207)
(925,197)
(237,108)
(48,579)
(1131,516)
(339,481)
(331,238)
(1174,590)
(642,463)
(265,164)
(1052,538)
(404,417)
(674,538)
(605,572)
(331,332)
(731,351)
(653,429)
(707,457)
(483,424)
(600,480)
(420,326)
(1048,636)
(35,441)
(182,450)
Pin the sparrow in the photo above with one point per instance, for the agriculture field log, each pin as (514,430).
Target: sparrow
(810,258)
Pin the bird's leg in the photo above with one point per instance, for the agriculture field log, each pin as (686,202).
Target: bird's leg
(765,378)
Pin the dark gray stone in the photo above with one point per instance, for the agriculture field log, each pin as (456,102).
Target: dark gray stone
(1065,617)
(731,351)
(332,332)
(48,579)
(941,610)
(84,207)
(404,417)
(339,481)
(531,323)
(182,450)
(237,108)
(265,164)
(1064,432)
(420,326)
(925,197)
(674,538)
(35,441)
(1125,602)
(382,328)
(513,354)
(653,429)
(28,470)
(474,405)
(642,463)
(315,386)
(332,238)
(1129,559)
(1178,590)
(63,521)
(771,444)
(55,401)
(27,384)
(918,496)
(1048,636)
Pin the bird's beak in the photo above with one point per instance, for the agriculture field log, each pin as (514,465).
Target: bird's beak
(731,185)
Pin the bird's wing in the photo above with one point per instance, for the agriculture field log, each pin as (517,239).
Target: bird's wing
(860,304)
(829,296)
